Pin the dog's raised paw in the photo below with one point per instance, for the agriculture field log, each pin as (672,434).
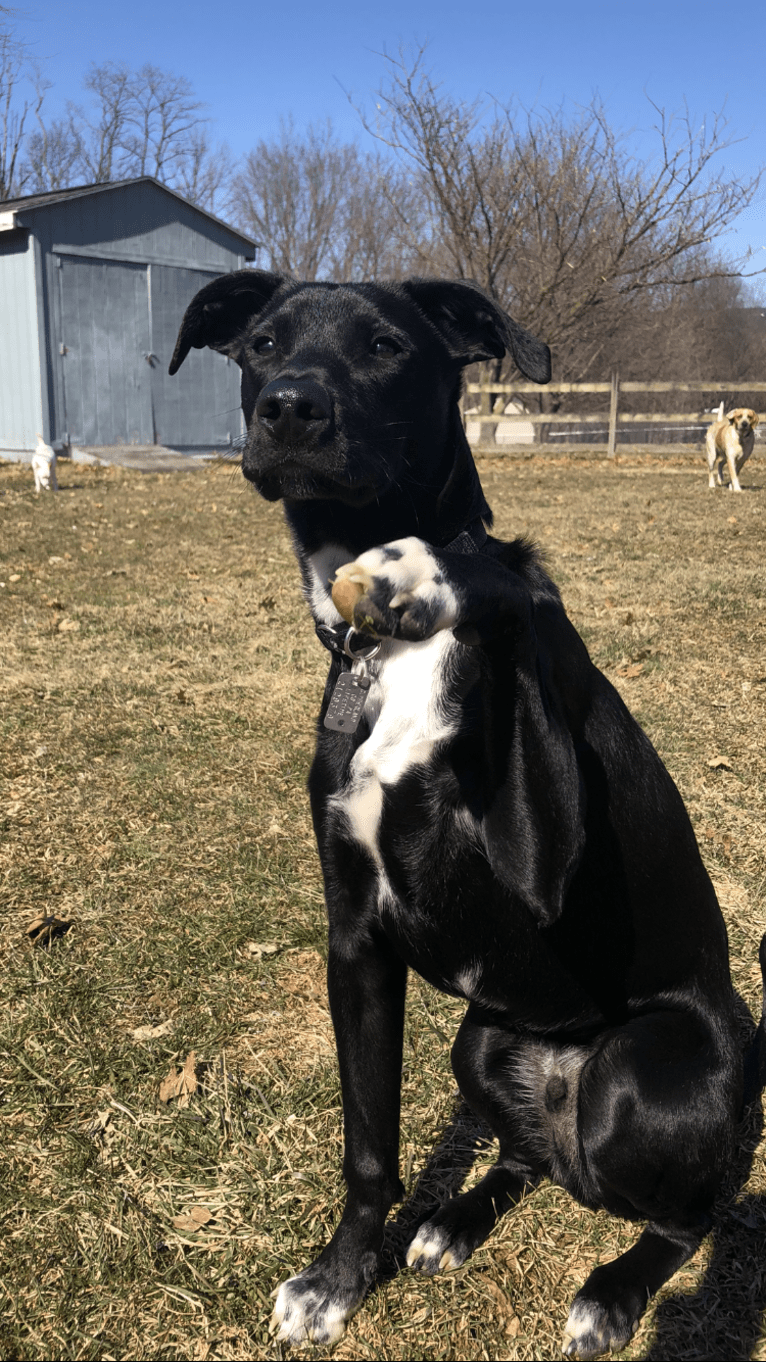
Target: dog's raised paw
(304,1315)
(396,591)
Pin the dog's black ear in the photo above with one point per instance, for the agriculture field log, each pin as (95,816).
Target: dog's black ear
(475,327)
(217,314)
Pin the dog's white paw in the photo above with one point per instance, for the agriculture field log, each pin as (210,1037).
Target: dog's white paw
(431,1251)
(396,590)
(304,1315)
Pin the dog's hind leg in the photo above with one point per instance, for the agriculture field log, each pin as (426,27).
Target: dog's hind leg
(448,1237)
(485,1059)
(607,1311)
(712,460)
(657,1110)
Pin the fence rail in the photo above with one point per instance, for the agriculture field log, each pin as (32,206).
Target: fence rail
(613,418)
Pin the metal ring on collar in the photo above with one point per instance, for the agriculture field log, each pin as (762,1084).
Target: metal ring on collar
(364,654)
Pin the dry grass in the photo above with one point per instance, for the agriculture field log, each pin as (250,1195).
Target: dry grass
(159,688)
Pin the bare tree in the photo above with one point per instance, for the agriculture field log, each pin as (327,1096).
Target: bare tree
(369,244)
(161,123)
(143,122)
(288,195)
(53,155)
(15,64)
(708,329)
(320,207)
(101,132)
(552,215)
(204,173)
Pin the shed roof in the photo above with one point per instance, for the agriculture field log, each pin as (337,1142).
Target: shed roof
(54,196)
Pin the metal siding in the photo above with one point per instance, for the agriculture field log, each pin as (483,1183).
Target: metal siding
(105,329)
(21,415)
(200,406)
(140,222)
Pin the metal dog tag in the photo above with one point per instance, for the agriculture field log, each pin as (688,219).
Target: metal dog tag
(352,688)
(347,702)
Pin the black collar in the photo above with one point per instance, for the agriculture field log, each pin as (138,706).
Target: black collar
(470,540)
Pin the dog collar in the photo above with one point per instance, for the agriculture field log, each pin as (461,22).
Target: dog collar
(470,540)
(333,637)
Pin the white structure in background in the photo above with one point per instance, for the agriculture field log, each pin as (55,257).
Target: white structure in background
(506,432)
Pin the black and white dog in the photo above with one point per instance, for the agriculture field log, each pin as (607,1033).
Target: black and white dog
(487,811)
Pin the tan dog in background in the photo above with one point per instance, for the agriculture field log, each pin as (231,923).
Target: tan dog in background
(730,438)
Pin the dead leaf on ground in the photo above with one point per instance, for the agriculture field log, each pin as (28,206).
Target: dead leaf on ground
(505,1304)
(257,949)
(420,1316)
(152,1032)
(44,930)
(100,1123)
(182,1085)
(192,1220)
(635,669)
(720,764)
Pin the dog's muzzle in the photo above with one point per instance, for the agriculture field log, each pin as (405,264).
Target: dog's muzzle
(294,410)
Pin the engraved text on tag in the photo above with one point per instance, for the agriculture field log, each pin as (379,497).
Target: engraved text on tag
(347,702)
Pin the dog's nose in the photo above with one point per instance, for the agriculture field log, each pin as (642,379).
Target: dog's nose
(293,409)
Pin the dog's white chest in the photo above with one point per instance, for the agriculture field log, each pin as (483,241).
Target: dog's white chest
(406,714)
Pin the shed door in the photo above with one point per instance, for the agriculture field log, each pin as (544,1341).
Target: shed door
(199,406)
(105,335)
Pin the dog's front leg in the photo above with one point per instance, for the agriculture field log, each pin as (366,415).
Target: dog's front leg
(366,985)
(731,459)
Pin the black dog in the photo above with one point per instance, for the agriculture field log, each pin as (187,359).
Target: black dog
(487,811)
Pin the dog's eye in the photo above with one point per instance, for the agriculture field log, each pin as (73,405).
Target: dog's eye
(264,345)
(384,347)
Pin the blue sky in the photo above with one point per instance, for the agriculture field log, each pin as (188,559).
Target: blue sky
(252,65)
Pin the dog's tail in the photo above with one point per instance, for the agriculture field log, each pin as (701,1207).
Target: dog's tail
(719,416)
(755,1058)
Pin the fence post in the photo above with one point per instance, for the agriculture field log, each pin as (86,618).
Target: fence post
(610,449)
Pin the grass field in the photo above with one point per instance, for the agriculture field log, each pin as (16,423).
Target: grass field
(159,686)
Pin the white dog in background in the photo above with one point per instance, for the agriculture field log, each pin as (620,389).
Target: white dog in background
(44,467)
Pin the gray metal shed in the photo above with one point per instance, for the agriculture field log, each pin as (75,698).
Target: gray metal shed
(93,286)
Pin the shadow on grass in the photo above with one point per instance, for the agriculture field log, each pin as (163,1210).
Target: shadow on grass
(464,1140)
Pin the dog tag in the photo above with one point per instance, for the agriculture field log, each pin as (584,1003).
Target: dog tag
(347,702)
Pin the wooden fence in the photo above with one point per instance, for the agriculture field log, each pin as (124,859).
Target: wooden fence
(612,417)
